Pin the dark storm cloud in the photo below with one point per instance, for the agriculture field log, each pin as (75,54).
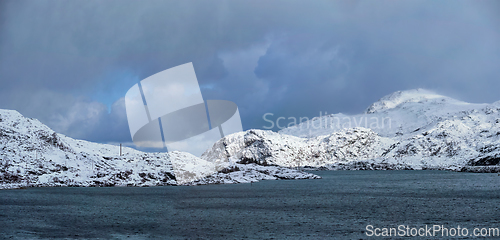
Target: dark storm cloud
(69,63)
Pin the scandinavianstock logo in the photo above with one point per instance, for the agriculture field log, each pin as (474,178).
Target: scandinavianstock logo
(167,110)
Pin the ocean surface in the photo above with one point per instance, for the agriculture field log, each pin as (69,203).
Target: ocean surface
(339,206)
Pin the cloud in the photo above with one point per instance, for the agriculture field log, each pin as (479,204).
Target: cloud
(76,117)
(69,63)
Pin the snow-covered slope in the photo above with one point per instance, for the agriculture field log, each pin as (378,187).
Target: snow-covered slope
(401,112)
(31,154)
(270,148)
(394,100)
(414,129)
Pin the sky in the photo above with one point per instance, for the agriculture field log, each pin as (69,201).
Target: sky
(70,63)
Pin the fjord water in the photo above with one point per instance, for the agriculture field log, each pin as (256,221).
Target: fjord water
(339,206)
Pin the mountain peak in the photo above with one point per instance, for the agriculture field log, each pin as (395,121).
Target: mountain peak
(5,113)
(394,99)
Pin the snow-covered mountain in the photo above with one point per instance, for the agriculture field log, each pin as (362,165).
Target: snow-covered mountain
(31,154)
(415,129)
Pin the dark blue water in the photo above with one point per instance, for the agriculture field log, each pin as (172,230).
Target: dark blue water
(339,206)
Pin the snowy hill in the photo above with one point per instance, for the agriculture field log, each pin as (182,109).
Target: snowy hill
(31,154)
(406,110)
(414,129)
(394,100)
